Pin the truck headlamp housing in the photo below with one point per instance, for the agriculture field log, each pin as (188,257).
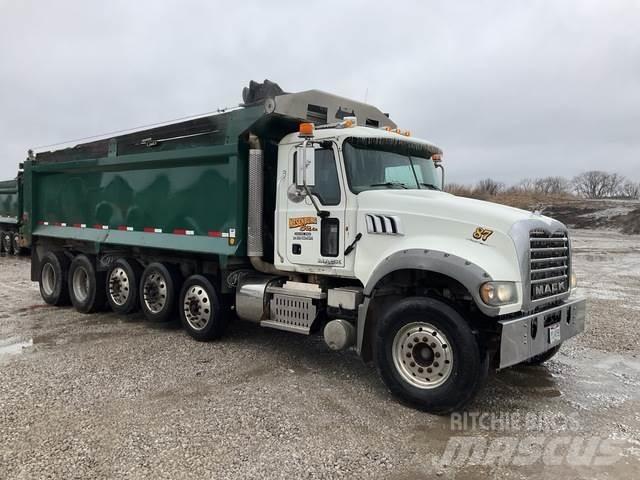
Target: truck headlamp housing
(497,294)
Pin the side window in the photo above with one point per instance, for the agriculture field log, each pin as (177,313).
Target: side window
(327,187)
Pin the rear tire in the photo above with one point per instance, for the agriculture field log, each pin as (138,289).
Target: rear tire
(543,357)
(200,310)
(1,241)
(86,285)
(54,270)
(159,287)
(122,285)
(17,249)
(7,243)
(428,356)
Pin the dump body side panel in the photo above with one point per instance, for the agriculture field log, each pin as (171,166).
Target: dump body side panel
(188,200)
(9,202)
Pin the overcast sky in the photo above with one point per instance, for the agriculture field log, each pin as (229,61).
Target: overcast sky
(509,89)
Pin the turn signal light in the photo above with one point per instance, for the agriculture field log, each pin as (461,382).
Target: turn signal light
(436,157)
(306,129)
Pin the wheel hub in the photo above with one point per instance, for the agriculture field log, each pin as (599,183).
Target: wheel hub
(197,307)
(422,355)
(119,286)
(155,292)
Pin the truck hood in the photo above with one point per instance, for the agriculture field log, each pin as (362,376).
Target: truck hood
(431,203)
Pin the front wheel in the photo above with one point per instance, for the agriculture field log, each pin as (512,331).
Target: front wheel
(428,356)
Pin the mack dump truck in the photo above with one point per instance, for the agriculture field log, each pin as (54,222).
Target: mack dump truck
(310,213)
(10,208)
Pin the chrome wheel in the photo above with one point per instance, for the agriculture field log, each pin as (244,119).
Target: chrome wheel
(155,292)
(119,288)
(197,307)
(422,355)
(16,244)
(48,279)
(80,283)
(7,242)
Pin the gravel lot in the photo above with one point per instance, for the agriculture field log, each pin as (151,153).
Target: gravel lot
(103,396)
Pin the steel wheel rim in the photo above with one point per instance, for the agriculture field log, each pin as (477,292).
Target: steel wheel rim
(6,240)
(422,355)
(155,292)
(48,279)
(197,307)
(80,282)
(16,245)
(119,287)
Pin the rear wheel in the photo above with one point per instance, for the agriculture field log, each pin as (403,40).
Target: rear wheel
(1,241)
(200,310)
(123,279)
(17,249)
(7,242)
(86,285)
(428,356)
(54,268)
(159,288)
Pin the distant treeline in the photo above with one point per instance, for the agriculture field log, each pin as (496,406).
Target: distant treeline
(592,184)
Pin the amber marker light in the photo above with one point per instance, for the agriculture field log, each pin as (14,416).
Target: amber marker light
(306,129)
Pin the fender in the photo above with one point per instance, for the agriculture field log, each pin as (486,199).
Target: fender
(470,275)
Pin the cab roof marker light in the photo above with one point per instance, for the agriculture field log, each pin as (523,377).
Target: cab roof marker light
(306,130)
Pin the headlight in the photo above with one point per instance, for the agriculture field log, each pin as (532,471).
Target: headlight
(499,293)
(574,281)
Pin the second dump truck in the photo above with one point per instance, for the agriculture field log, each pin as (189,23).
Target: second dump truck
(310,213)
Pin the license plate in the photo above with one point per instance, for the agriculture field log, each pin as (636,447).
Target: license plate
(554,334)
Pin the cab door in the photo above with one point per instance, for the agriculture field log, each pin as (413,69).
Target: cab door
(311,240)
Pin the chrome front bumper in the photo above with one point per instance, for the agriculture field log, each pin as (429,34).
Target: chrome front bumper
(526,337)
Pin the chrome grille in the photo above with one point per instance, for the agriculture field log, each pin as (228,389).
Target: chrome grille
(550,263)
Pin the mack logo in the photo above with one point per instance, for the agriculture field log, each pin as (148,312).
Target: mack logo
(550,288)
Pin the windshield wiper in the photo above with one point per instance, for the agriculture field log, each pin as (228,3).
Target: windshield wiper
(389,184)
(430,186)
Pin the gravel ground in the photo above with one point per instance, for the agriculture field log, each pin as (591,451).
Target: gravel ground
(104,396)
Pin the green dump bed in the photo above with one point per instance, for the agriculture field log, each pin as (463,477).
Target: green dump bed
(180,187)
(9,202)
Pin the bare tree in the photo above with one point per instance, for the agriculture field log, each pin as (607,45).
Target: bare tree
(551,185)
(630,190)
(598,184)
(490,186)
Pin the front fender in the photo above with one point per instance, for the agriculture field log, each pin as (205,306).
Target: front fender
(469,274)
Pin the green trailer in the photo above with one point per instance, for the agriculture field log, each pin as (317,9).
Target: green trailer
(10,208)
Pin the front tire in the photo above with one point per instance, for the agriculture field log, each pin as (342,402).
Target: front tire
(428,356)
(200,310)
(86,285)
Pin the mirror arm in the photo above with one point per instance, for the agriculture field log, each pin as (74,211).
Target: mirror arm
(441,167)
(320,213)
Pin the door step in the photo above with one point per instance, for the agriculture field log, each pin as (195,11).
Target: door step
(294,307)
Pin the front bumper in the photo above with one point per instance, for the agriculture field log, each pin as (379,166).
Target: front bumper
(525,337)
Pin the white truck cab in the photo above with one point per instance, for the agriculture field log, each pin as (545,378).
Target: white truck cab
(434,288)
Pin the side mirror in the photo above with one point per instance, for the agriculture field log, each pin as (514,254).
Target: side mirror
(306,166)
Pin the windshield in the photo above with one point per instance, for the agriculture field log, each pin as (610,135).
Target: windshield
(395,165)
